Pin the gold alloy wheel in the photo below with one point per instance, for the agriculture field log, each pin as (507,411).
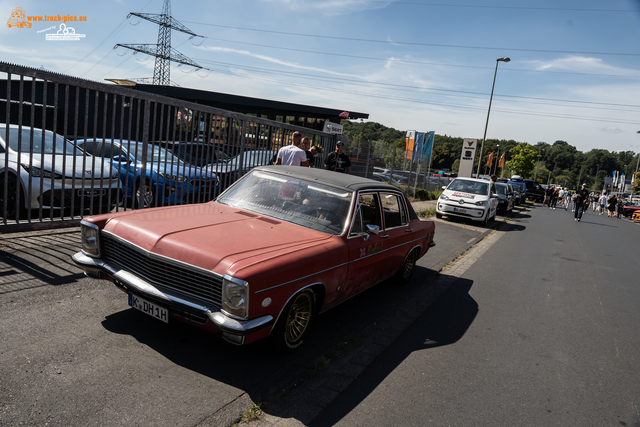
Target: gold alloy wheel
(298,317)
(409,264)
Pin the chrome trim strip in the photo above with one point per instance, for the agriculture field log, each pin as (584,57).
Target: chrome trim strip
(224,323)
(340,265)
(301,278)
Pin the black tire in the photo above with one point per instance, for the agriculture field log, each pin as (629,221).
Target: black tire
(409,264)
(438,215)
(485,222)
(15,207)
(149,199)
(295,320)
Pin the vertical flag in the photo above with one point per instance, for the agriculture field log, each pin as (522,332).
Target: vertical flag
(427,146)
(410,138)
(501,162)
(417,147)
(490,161)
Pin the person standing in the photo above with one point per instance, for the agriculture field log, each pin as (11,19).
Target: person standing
(620,206)
(310,152)
(582,196)
(292,155)
(612,202)
(338,161)
(603,202)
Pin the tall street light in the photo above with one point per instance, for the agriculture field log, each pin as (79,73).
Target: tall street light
(505,59)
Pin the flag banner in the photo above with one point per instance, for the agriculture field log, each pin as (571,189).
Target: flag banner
(501,163)
(490,160)
(427,146)
(417,147)
(410,139)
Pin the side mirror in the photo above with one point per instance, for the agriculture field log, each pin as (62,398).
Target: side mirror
(444,187)
(494,196)
(373,229)
(120,159)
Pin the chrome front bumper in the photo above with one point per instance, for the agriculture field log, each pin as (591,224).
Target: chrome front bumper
(93,267)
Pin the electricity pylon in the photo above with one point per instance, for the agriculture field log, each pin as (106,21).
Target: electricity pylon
(163,51)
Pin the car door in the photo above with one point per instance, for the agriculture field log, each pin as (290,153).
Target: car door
(396,228)
(366,248)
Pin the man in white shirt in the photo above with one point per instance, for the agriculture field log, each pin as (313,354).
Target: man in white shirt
(293,155)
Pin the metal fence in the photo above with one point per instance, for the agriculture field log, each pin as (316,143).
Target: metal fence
(71,148)
(384,162)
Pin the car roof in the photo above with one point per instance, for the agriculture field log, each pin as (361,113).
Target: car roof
(471,179)
(351,182)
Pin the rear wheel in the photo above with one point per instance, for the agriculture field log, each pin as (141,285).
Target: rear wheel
(406,271)
(295,320)
(148,195)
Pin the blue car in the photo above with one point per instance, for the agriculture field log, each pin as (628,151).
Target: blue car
(154,173)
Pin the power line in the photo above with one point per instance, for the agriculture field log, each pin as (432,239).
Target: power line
(395,86)
(411,43)
(438,104)
(405,61)
(557,9)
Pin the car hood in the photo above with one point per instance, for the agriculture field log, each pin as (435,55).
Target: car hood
(212,236)
(191,172)
(467,197)
(69,165)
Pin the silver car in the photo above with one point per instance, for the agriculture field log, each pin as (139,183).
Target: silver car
(40,169)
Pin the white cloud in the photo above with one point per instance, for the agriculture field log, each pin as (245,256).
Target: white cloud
(583,64)
(612,129)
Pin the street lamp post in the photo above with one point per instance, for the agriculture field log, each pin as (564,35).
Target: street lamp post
(505,59)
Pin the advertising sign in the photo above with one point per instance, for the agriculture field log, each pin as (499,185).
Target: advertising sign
(410,138)
(332,128)
(467,157)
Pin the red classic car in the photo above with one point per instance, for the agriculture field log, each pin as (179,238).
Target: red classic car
(279,246)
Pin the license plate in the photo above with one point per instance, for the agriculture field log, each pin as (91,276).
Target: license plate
(92,192)
(148,307)
(464,211)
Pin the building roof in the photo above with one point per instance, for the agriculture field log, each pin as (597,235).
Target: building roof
(248,105)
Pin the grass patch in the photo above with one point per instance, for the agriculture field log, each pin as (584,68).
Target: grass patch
(252,414)
(427,212)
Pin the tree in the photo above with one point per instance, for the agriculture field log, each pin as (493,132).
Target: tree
(635,187)
(523,159)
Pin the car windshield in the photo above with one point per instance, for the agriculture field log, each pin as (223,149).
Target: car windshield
(252,158)
(53,143)
(201,155)
(154,153)
(297,201)
(502,189)
(468,186)
(518,185)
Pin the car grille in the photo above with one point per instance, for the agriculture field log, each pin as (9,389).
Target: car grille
(162,272)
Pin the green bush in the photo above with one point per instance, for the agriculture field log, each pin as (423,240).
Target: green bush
(421,193)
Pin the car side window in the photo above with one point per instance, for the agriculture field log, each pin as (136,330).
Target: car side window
(393,210)
(368,213)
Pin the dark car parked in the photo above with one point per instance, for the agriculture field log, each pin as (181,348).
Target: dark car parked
(505,198)
(516,194)
(534,190)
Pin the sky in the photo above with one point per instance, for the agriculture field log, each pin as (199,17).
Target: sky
(425,65)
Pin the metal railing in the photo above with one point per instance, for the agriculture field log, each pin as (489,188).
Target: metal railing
(71,148)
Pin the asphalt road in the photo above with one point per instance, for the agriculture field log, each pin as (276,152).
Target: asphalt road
(73,353)
(543,329)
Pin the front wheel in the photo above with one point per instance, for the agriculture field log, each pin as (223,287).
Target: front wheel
(438,215)
(294,322)
(13,198)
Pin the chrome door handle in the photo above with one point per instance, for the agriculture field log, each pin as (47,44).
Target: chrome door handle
(408,230)
(386,236)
